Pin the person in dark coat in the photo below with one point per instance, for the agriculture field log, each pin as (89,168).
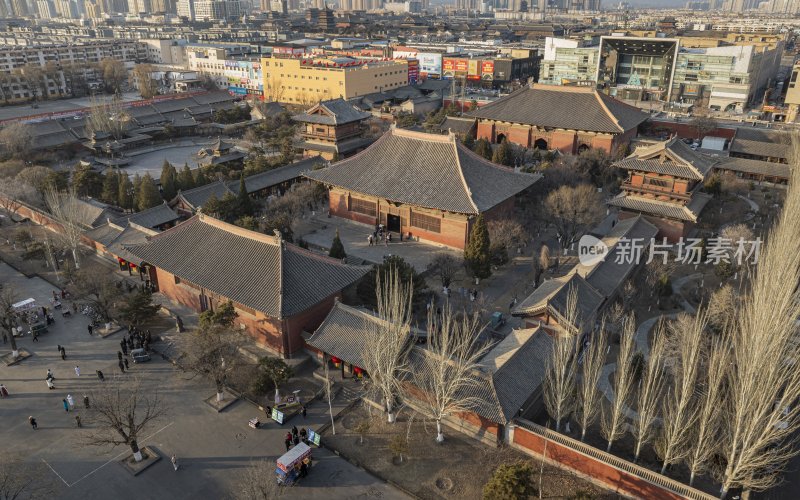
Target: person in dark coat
(119,355)
(90,328)
(100,375)
(66,405)
(86,402)
(288,441)
(121,367)
(126,363)
(63,353)
(303,411)
(33,423)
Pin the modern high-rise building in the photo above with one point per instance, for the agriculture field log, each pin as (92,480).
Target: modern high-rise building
(217,10)
(46,9)
(186,9)
(137,7)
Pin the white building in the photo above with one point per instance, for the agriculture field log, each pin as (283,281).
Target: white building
(217,10)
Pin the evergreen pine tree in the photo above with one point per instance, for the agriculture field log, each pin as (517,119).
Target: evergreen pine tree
(245,204)
(468,141)
(169,181)
(185,178)
(511,481)
(504,155)
(337,248)
(125,190)
(110,192)
(147,194)
(212,206)
(483,148)
(228,206)
(86,181)
(477,255)
(200,177)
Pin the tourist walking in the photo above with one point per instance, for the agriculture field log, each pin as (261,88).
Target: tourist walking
(86,402)
(77,371)
(121,367)
(66,405)
(100,375)
(50,384)
(71,402)
(90,328)
(126,363)
(3,391)
(119,355)
(63,352)
(303,411)
(174,461)
(78,421)
(33,423)
(50,375)
(288,441)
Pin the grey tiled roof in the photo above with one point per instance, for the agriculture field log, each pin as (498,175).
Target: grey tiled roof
(608,275)
(343,333)
(133,234)
(671,157)
(334,112)
(760,142)
(269,178)
(757,167)
(427,170)
(197,197)
(457,124)
(92,213)
(508,376)
(553,295)
(253,269)
(151,218)
(643,205)
(572,108)
(104,234)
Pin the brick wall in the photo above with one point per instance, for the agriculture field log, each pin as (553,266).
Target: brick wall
(566,141)
(597,470)
(688,131)
(454,227)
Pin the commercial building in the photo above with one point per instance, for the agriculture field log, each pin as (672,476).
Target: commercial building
(792,99)
(722,73)
(570,119)
(306,81)
(217,10)
(424,186)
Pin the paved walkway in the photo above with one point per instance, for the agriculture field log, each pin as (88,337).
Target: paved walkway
(753,205)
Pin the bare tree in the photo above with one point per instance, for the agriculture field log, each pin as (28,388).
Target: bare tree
(446,267)
(387,345)
(446,372)
(573,210)
(114,74)
(17,139)
(589,395)
(328,394)
(24,480)
(257,482)
(8,317)
(73,215)
(679,408)
(120,412)
(142,74)
(704,435)
(559,383)
(32,76)
(737,232)
(651,390)
(761,421)
(722,307)
(506,233)
(14,193)
(97,287)
(613,421)
(544,258)
(213,350)
(108,118)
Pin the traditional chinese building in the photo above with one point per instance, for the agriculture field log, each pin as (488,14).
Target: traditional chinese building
(427,186)
(219,153)
(278,289)
(333,128)
(663,185)
(594,285)
(569,119)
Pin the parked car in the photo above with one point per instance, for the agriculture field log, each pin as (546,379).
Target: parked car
(140,355)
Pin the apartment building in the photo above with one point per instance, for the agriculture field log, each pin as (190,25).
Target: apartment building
(308,81)
(55,57)
(217,10)
(568,61)
(792,99)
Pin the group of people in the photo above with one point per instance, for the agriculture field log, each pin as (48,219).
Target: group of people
(295,437)
(381,234)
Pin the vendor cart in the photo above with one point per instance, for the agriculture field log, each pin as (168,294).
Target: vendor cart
(293,464)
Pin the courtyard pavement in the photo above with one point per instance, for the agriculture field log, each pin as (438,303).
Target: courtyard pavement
(320,229)
(212,448)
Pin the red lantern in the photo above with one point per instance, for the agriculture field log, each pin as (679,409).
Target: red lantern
(335,359)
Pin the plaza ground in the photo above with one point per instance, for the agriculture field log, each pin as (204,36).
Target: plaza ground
(212,448)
